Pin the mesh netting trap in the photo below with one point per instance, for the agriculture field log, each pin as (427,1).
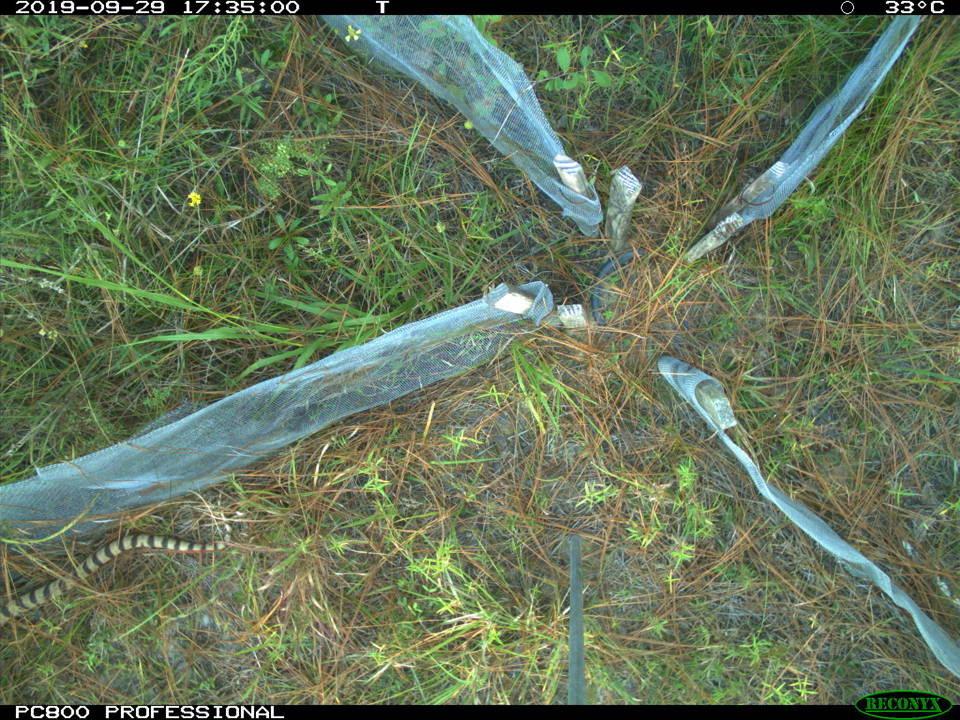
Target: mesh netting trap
(202,448)
(390,289)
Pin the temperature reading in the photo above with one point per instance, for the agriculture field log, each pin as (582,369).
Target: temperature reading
(907,7)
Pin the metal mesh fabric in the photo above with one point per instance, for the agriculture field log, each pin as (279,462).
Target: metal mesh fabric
(448,56)
(763,196)
(204,447)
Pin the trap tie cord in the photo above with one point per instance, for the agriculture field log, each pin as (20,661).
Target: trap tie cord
(761,197)
(707,397)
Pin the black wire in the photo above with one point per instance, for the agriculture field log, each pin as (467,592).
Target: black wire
(612,265)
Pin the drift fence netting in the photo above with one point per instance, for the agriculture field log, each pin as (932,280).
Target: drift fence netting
(760,198)
(203,448)
(454,62)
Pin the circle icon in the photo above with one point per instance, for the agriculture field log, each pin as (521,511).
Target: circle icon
(846,7)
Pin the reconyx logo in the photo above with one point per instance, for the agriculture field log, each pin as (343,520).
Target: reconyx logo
(903,704)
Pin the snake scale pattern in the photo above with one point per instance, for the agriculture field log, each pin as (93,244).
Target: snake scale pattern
(28,602)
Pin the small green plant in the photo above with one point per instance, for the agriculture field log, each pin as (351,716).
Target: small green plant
(288,236)
(814,209)
(683,553)
(483,23)
(339,544)
(158,397)
(375,482)
(273,166)
(581,76)
(753,651)
(460,441)
(330,193)
(644,534)
(573,78)
(597,493)
(304,157)
(798,691)
(898,491)
(938,270)
(435,569)
(698,522)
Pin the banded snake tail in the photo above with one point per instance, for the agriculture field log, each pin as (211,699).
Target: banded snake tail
(27,602)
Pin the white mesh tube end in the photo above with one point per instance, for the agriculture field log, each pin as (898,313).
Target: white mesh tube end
(778,169)
(767,182)
(716,237)
(626,182)
(515,301)
(569,317)
(624,191)
(531,300)
(571,174)
(703,392)
(713,400)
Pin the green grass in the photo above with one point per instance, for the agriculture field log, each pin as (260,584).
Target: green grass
(418,552)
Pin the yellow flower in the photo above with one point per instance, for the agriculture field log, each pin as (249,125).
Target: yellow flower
(193,199)
(352,33)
